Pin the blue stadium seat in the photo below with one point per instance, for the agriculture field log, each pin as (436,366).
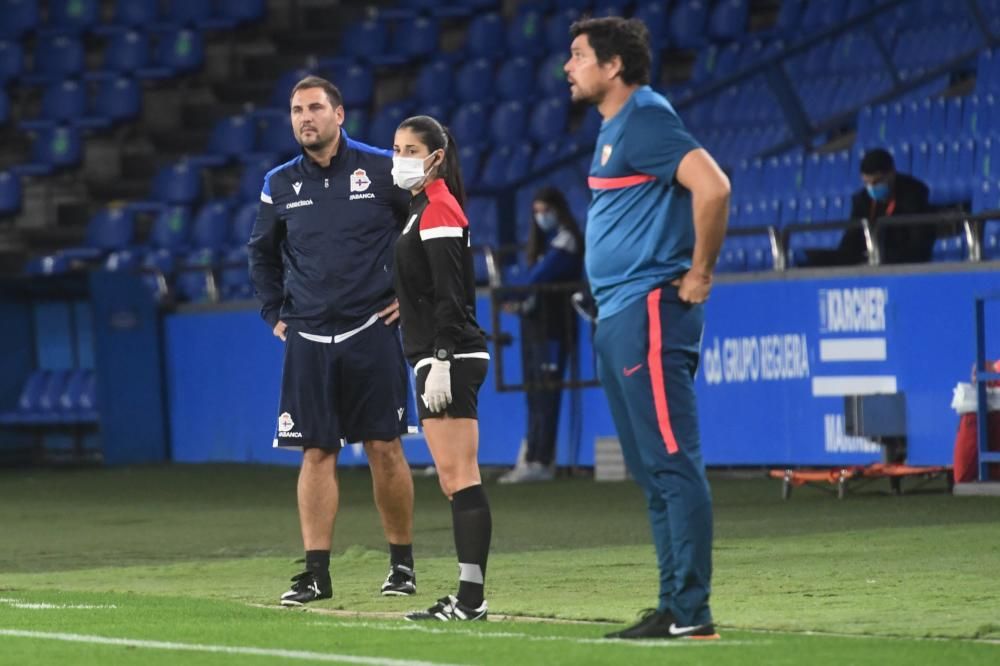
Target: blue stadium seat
(158,272)
(385,122)
(485,36)
(10,193)
(202,15)
(483,227)
(470,158)
(991,240)
(232,137)
(210,228)
(356,124)
(19,18)
(470,124)
(177,184)
(55,147)
(180,50)
(557,37)
(57,57)
(75,16)
(365,40)
(62,101)
(127,51)
(240,11)
(109,230)
(516,79)
(234,278)
(136,13)
(241,225)
(117,99)
(526,34)
(654,16)
(191,283)
(506,164)
(275,135)
(417,38)
(687,23)
(28,400)
(122,260)
(11,61)
(729,19)
(68,405)
(474,81)
(549,118)
(356,83)
(252,178)
(171,230)
(551,77)
(508,122)
(435,82)
(949,248)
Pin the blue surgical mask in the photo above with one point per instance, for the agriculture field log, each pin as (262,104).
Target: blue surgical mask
(546,221)
(879,191)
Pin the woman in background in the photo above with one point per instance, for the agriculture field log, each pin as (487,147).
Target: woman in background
(548,328)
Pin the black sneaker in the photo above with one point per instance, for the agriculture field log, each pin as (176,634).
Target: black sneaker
(654,624)
(307,586)
(401,582)
(447,609)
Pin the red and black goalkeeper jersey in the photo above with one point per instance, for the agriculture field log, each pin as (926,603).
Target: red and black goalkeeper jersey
(434,279)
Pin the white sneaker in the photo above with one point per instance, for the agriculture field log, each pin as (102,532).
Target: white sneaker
(530,473)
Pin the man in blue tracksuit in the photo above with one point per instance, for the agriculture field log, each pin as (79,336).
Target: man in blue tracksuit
(321,265)
(654,229)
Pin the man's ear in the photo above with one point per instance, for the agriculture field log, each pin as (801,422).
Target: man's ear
(614,67)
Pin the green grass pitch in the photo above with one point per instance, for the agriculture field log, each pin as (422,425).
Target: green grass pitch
(184,564)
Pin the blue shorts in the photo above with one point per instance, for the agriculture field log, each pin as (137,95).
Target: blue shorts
(335,392)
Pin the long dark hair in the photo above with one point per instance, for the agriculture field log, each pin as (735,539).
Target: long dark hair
(436,136)
(555,200)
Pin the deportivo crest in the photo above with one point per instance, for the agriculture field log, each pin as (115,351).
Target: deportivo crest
(605,154)
(360,181)
(285,422)
(297,186)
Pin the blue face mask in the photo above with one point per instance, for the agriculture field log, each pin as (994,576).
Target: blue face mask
(547,221)
(879,191)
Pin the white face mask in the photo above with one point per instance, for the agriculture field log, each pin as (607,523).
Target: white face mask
(408,172)
(547,221)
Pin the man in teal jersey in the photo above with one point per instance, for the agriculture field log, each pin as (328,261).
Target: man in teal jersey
(654,228)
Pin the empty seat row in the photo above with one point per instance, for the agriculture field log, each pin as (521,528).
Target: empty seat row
(51,397)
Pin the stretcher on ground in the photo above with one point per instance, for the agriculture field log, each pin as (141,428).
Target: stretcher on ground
(840,480)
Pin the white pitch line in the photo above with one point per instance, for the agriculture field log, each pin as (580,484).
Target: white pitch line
(218,649)
(425,629)
(27,605)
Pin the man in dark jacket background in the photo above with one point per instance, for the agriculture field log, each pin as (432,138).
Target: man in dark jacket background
(888,193)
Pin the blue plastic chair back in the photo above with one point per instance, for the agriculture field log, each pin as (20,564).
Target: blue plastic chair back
(181,50)
(210,228)
(19,18)
(171,229)
(57,147)
(435,82)
(118,99)
(11,61)
(73,15)
(58,56)
(127,51)
(178,183)
(485,36)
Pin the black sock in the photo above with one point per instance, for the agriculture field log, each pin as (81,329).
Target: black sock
(401,553)
(473,526)
(318,562)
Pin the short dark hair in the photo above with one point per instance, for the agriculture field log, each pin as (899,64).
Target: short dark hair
(332,91)
(612,36)
(877,160)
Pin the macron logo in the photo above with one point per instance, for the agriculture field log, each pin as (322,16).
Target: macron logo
(299,204)
(400,412)
(297,186)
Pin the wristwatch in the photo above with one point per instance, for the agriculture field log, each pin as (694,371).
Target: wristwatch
(442,354)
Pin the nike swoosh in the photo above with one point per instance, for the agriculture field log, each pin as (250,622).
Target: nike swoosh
(631,371)
(680,631)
